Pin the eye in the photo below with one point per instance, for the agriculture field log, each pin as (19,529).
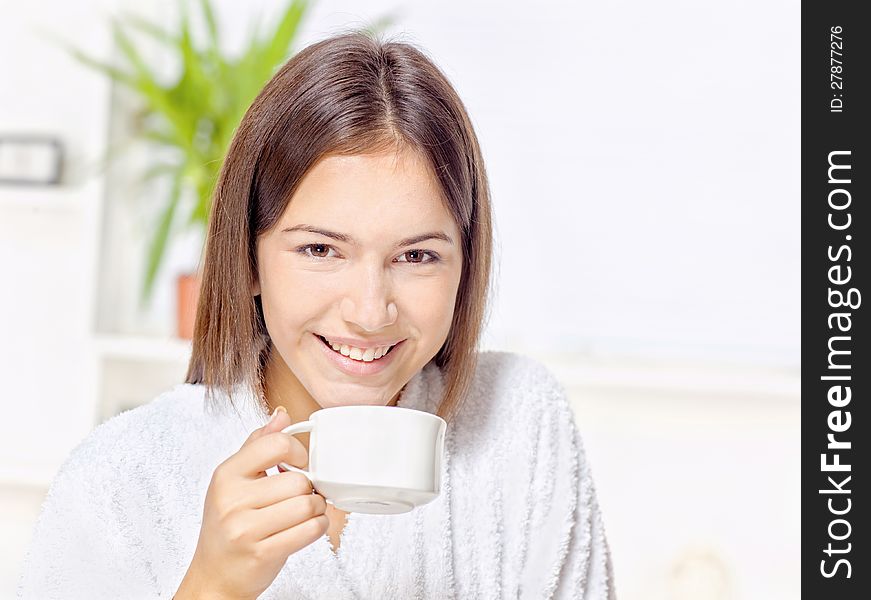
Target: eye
(417,257)
(317,250)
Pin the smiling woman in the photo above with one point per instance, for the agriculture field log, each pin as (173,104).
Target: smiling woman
(373,164)
(347,263)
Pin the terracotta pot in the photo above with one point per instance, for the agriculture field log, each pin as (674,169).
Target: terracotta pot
(187,296)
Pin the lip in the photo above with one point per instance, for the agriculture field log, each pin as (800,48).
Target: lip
(358,367)
(361,343)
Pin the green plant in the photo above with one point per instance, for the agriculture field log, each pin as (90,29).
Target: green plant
(196,114)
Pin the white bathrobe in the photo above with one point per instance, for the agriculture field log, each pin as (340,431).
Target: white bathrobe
(517,516)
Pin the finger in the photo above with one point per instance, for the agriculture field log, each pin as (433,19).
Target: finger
(267,491)
(252,460)
(288,541)
(277,421)
(286,514)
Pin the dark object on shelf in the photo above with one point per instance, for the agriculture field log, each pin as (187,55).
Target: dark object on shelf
(30,160)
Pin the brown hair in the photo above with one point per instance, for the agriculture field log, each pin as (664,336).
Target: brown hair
(348,94)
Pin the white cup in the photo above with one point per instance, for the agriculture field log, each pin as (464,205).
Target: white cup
(373,459)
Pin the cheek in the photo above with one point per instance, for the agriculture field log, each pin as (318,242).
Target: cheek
(430,305)
(289,298)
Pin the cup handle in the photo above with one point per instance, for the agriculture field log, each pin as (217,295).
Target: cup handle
(301,427)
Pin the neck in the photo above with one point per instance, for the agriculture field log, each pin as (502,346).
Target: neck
(282,388)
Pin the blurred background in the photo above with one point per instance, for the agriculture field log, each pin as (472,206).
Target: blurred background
(644,163)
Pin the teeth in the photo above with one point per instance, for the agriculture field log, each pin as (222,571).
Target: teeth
(365,355)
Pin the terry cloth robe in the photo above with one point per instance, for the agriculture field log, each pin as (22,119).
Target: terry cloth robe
(517,516)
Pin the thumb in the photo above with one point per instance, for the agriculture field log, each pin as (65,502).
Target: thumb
(278,421)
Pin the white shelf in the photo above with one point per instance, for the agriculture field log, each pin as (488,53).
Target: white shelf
(133,370)
(39,198)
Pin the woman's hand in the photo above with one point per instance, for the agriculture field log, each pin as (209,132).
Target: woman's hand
(253,522)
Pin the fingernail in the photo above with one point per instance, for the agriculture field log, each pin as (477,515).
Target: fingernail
(275,412)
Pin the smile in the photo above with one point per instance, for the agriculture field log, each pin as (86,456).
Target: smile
(364,355)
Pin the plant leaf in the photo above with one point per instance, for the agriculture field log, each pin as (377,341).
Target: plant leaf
(159,169)
(158,98)
(211,25)
(381,24)
(149,28)
(277,46)
(114,73)
(161,235)
(110,71)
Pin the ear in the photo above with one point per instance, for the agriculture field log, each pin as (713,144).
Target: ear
(255,287)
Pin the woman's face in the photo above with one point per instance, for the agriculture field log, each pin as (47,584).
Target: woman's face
(365,256)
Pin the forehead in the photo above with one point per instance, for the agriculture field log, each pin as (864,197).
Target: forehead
(370,194)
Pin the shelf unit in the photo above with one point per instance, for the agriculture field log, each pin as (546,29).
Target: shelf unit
(41,199)
(133,370)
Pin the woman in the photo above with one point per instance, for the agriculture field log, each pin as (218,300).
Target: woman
(347,262)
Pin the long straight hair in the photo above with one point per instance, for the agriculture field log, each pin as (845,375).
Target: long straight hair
(351,93)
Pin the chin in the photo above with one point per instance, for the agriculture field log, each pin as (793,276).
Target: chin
(350,399)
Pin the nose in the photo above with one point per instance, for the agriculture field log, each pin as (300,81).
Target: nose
(368,302)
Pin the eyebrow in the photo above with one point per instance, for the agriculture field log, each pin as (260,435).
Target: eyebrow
(343,237)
